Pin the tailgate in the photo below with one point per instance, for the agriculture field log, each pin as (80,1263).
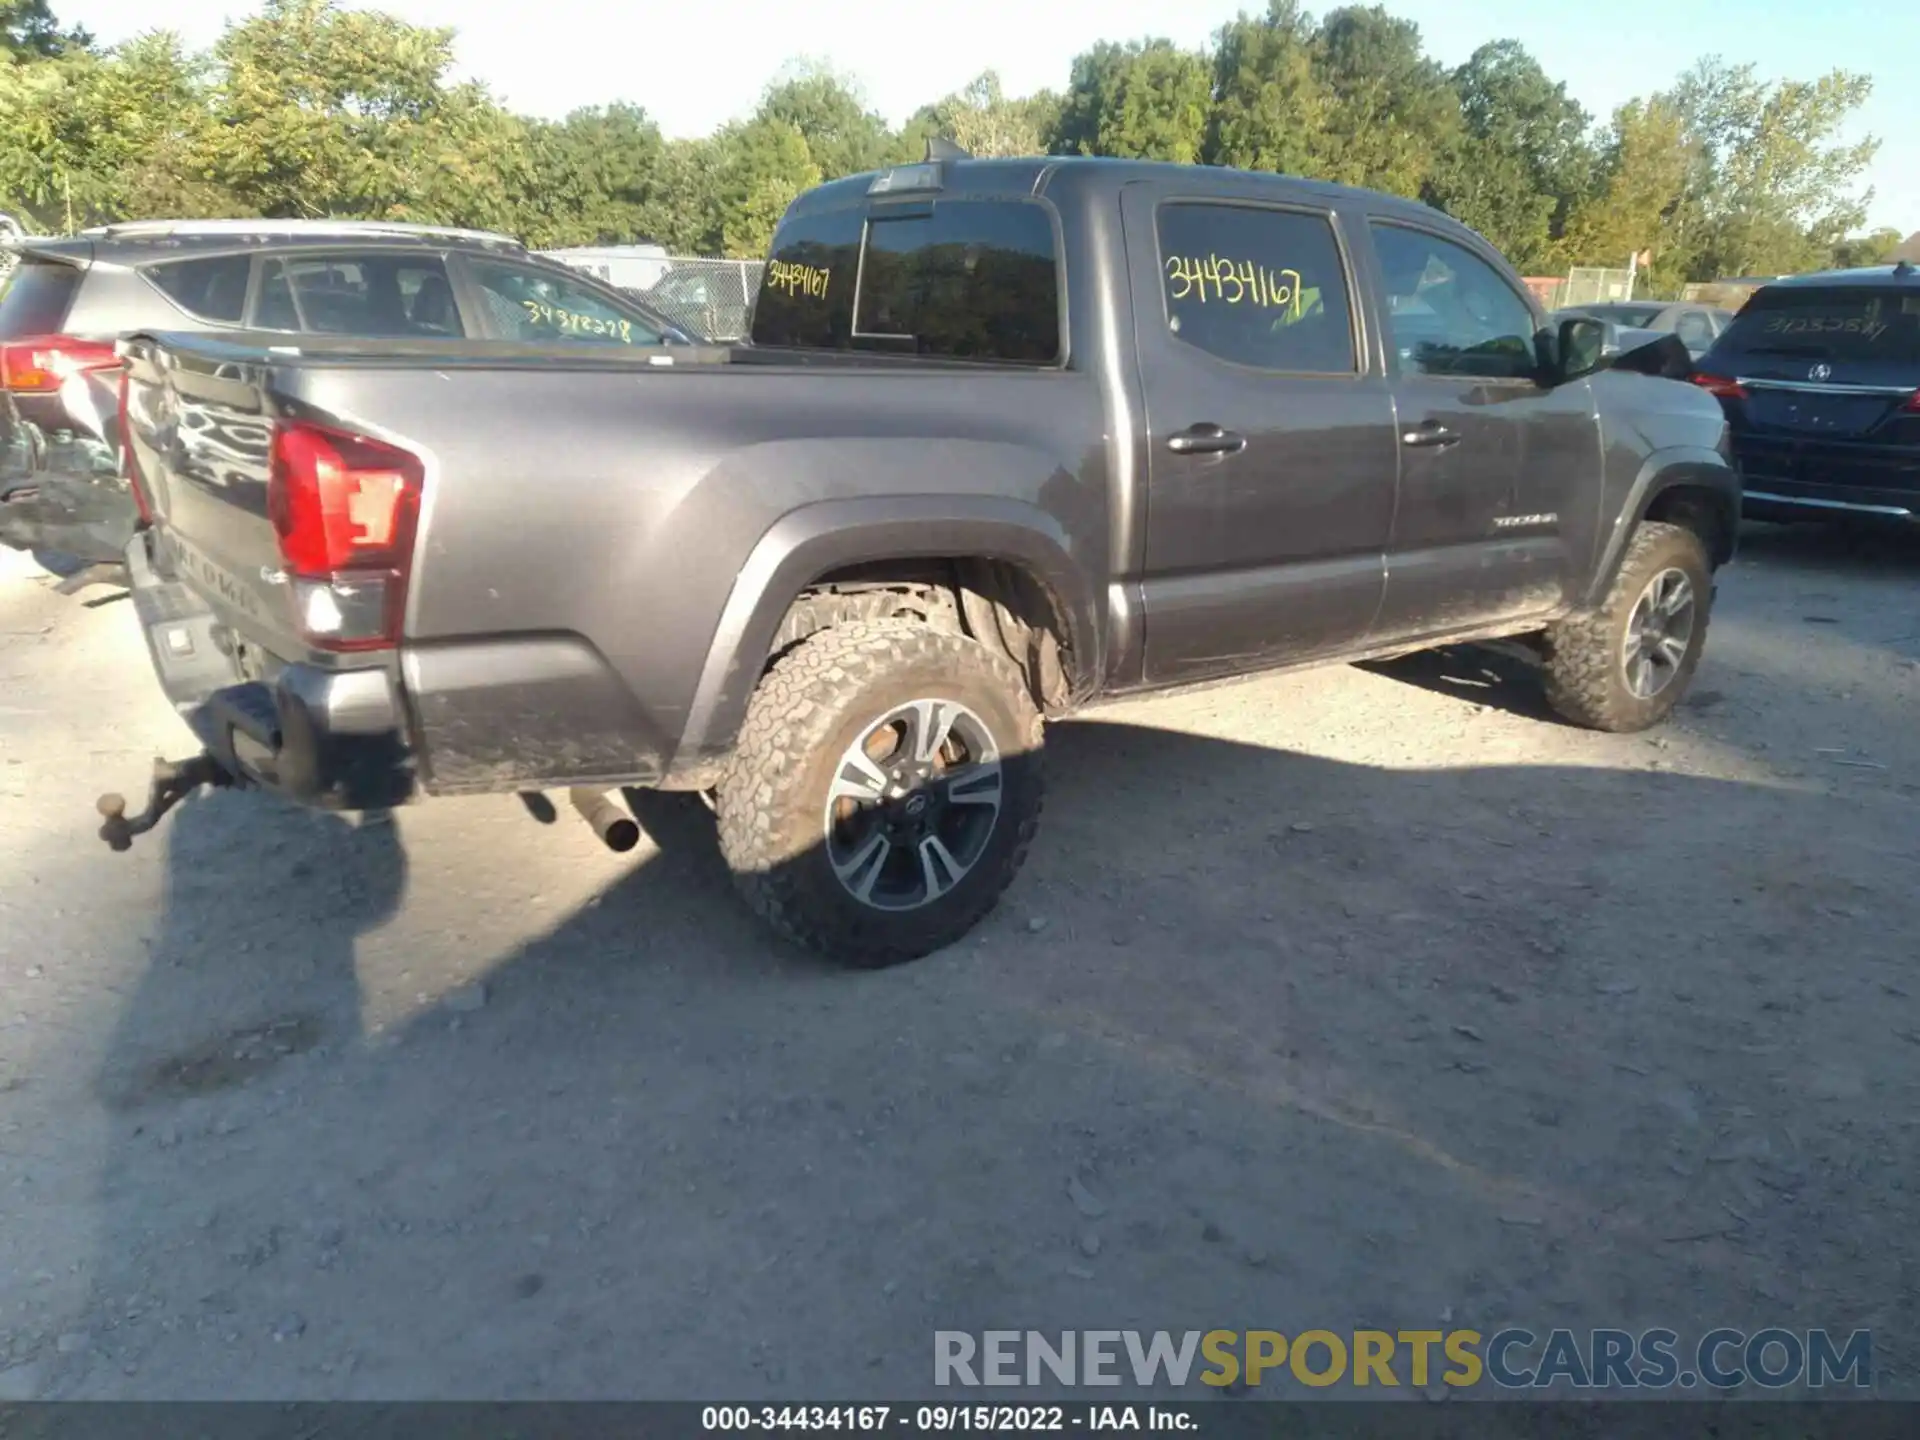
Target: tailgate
(200,432)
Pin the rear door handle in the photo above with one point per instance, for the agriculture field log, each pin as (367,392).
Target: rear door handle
(1206,438)
(1429,435)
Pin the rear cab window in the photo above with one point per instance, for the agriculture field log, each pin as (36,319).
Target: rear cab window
(1256,286)
(1849,324)
(958,279)
(37,297)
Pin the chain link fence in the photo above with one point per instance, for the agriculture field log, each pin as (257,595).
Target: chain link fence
(1593,285)
(1547,289)
(712,298)
(706,296)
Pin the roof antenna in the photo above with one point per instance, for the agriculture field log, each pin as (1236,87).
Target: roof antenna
(941,148)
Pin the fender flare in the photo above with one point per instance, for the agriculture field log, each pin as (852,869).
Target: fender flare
(1693,467)
(829,535)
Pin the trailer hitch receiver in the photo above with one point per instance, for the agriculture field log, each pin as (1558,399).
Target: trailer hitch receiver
(173,781)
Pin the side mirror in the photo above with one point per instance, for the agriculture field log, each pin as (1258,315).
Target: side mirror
(1582,345)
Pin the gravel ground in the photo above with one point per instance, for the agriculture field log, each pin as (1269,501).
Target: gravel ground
(1355,997)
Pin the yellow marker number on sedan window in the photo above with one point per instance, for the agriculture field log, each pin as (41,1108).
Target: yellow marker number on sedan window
(574,322)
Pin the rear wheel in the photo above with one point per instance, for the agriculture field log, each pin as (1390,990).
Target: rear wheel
(884,790)
(1625,665)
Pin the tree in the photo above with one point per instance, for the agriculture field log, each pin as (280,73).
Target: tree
(1148,100)
(1783,190)
(1646,196)
(763,165)
(1270,109)
(1392,112)
(842,135)
(596,178)
(1878,248)
(318,108)
(985,121)
(86,137)
(1521,160)
(28,29)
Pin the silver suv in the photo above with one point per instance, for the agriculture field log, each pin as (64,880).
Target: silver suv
(68,300)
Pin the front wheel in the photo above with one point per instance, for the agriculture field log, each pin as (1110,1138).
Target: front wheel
(884,790)
(1625,665)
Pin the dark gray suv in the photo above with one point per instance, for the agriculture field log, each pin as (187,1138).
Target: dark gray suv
(69,299)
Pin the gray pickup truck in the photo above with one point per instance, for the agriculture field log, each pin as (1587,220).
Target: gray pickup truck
(1011,436)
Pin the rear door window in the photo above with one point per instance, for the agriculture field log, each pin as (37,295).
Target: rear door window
(1257,286)
(214,288)
(37,297)
(1851,324)
(383,296)
(524,302)
(958,279)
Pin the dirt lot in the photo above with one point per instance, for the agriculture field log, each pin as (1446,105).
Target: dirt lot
(1359,997)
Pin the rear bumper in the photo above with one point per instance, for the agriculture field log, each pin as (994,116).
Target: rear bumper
(335,739)
(1837,479)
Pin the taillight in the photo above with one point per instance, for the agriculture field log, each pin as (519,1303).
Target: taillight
(40,365)
(129,465)
(1913,402)
(344,507)
(1724,386)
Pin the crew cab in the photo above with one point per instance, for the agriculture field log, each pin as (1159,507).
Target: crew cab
(1011,436)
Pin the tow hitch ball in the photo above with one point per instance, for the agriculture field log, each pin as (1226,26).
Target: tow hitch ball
(173,781)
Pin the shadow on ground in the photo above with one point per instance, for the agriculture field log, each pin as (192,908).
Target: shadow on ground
(1259,1040)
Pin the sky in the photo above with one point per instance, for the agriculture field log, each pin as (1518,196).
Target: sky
(694,64)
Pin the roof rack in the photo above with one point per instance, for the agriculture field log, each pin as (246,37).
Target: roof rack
(126,229)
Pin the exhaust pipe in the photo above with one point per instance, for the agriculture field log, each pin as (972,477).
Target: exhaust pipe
(611,821)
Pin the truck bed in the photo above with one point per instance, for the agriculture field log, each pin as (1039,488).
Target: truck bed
(585,517)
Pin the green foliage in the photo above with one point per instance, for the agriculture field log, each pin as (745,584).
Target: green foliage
(1392,113)
(28,29)
(1783,190)
(1148,100)
(762,166)
(1879,248)
(843,136)
(1644,199)
(306,107)
(1521,159)
(1271,109)
(985,121)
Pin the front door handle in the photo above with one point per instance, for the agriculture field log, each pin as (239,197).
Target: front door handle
(1429,435)
(1206,438)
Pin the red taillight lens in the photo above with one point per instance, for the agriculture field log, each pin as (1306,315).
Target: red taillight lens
(1724,386)
(40,365)
(344,507)
(1913,402)
(128,464)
